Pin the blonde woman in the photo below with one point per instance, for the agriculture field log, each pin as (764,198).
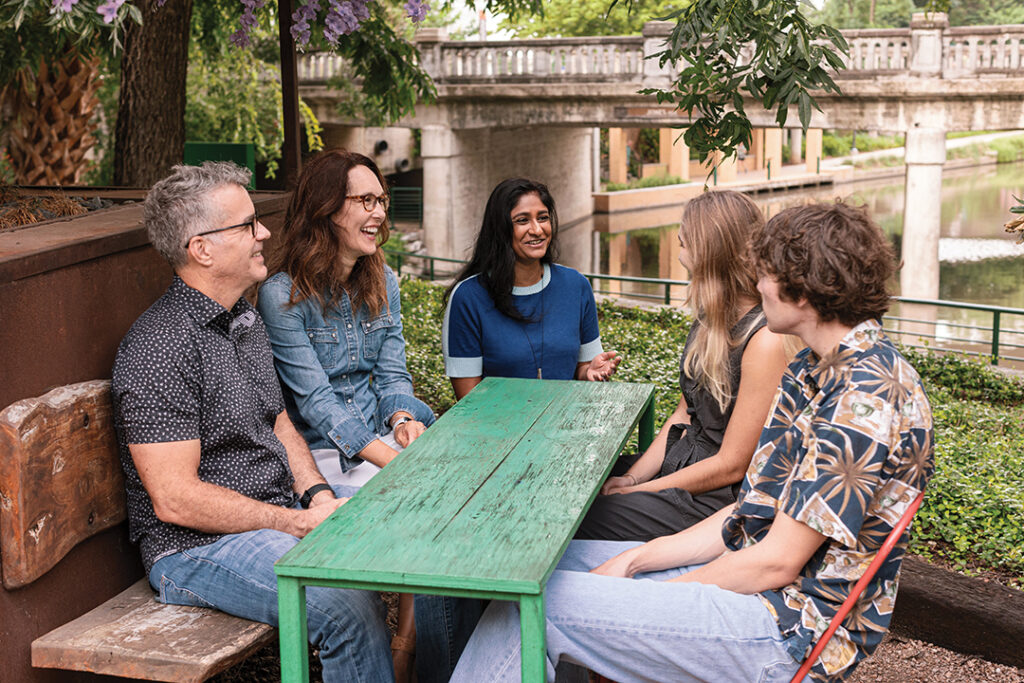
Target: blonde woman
(729,370)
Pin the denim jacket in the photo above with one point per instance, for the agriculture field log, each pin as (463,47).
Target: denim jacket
(343,372)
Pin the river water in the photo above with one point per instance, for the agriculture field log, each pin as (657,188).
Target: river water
(979,262)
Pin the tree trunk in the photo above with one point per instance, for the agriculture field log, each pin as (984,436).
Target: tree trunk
(150,132)
(52,123)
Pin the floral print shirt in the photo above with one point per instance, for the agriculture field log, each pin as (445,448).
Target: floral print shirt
(846,448)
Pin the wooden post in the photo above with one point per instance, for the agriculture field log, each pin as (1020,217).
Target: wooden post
(291,161)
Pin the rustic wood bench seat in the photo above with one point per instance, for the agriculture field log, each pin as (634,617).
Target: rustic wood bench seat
(62,483)
(134,636)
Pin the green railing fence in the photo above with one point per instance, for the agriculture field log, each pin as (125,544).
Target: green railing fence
(993,337)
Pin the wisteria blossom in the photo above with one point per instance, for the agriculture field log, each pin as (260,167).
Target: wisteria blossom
(301,19)
(417,10)
(341,17)
(108,10)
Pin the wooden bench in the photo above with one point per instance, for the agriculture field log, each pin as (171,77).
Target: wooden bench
(61,484)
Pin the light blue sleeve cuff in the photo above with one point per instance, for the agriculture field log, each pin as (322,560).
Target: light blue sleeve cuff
(589,351)
(350,436)
(464,367)
(393,403)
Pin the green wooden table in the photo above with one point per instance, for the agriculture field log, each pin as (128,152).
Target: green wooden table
(482,505)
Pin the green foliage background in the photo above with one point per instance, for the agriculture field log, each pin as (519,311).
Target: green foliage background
(567,18)
(973,512)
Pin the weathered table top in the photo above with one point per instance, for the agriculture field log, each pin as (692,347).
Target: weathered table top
(485,499)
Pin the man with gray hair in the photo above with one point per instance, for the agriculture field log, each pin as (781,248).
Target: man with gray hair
(219,483)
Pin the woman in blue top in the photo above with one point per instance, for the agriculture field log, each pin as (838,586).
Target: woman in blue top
(512,311)
(334,319)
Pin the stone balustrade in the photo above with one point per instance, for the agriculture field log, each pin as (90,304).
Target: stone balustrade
(929,48)
(878,50)
(588,59)
(977,50)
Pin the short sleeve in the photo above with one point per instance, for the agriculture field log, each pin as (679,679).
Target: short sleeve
(156,393)
(590,335)
(835,482)
(461,335)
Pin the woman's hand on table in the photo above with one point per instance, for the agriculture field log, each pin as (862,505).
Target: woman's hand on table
(618,484)
(602,367)
(407,432)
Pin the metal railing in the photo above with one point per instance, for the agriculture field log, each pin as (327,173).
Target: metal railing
(996,333)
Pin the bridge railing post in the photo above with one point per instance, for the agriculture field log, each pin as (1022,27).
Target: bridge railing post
(655,34)
(428,41)
(926,29)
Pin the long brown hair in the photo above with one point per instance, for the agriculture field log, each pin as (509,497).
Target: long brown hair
(310,239)
(715,230)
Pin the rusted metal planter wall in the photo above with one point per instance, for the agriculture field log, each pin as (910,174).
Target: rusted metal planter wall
(69,290)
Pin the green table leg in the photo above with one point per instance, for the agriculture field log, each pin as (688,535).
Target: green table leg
(534,648)
(292,630)
(646,435)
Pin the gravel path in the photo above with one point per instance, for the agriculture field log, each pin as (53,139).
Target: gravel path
(904,660)
(897,660)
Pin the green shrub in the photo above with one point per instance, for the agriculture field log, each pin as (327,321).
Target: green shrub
(651,181)
(971,379)
(1008,149)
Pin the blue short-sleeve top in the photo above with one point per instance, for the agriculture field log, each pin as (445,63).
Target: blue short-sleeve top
(561,331)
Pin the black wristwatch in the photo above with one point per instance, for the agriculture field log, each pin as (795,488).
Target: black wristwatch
(307,497)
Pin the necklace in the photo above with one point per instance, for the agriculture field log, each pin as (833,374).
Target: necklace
(530,342)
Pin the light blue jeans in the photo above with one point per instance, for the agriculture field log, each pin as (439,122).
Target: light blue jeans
(235,574)
(641,629)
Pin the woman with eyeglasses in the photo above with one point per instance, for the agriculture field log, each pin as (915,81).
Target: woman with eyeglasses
(513,312)
(333,314)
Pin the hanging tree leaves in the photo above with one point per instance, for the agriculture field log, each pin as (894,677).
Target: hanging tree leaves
(766,49)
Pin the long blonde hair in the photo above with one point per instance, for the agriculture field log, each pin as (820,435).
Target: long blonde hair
(715,231)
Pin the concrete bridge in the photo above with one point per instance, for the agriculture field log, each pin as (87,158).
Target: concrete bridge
(533,107)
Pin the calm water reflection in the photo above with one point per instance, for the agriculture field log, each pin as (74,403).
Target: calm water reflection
(979,262)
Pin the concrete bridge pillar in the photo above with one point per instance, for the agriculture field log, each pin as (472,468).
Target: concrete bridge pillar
(925,155)
(617,162)
(674,152)
(437,146)
(796,137)
(814,136)
(757,147)
(726,168)
(773,150)
(462,166)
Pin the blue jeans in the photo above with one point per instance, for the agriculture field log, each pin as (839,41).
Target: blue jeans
(641,629)
(235,574)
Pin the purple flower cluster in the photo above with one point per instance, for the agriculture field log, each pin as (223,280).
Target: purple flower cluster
(417,10)
(63,5)
(301,19)
(248,22)
(344,17)
(109,10)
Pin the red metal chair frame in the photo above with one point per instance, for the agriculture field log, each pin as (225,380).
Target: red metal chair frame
(844,609)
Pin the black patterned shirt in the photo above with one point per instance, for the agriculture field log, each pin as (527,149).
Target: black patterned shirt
(189,369)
